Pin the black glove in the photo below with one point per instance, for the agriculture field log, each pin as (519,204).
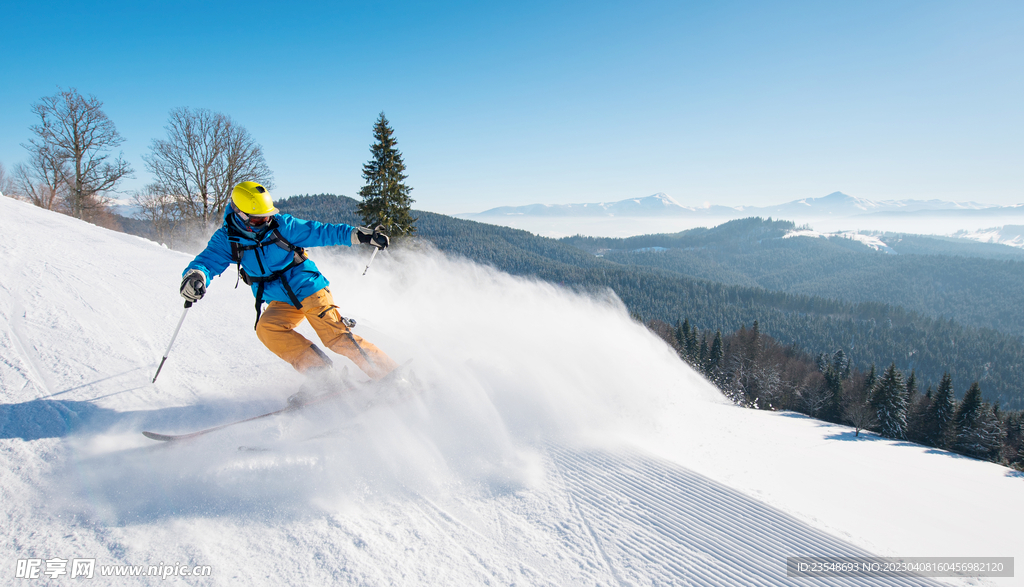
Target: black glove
(193,285)
(375,237)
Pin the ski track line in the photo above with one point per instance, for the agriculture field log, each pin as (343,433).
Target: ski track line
(484,567)
(630,486)
(688,529)
(645,544)
(674,535)
(721,537)
(590,530)
(35,373)
(716,543)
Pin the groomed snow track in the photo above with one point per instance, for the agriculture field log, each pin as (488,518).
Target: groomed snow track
(655,523)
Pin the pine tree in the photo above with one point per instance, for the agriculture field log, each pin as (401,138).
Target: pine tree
(841,363)
(869,380)
(715,357)
(1013,442)
(832,410)
(992,434)
(822,361)
(939,419)
(974,430)
(912,387)
(386,200)
(967,411)
(702,357)
(835,368)
(917,405)
(754,344)
(691,345)
(919,419)
(889,401)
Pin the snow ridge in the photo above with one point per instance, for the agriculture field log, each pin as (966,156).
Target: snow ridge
(1010,235)
(658,523)
(869,240)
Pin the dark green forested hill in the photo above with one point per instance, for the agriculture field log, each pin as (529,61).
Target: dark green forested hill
(747,234)
(976,284)
(949,246)
(869,331)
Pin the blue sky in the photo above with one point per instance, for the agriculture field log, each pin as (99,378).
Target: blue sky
(558,102)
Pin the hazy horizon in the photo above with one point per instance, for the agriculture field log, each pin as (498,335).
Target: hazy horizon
(624,226)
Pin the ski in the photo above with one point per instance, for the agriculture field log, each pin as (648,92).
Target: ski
(291,408)
(375,402)
(314,401)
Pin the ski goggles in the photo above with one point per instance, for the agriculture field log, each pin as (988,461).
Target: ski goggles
(250,219)
(257,220)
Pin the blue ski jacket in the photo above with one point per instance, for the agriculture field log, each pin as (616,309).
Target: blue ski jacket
(260,256)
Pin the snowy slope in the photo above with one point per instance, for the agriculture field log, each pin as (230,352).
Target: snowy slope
(553,440)
(867,240)
(1011,235)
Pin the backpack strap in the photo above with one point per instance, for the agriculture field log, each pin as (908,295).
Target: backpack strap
(299,257)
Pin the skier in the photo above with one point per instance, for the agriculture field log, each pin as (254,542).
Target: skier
(268,248)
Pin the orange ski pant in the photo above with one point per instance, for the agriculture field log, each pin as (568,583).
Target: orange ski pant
(276,330)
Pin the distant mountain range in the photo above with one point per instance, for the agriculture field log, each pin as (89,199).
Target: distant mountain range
(656,205)
(836,204)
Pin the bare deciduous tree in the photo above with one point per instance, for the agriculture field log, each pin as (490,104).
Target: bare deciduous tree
(163,213)
(204,155)
(74,139)
(44,180)
(769,385)
(6,183)
(243,161)
(861,415)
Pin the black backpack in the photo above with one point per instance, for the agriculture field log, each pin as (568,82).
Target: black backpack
(299,257)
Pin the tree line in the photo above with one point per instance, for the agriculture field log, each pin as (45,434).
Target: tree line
(754,370)
(72,169)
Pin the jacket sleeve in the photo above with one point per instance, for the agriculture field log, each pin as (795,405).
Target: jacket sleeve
(310,233)
(215,258)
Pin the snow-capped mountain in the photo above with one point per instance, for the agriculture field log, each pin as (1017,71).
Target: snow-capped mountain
(657,205)
(551,440)
(836,204)
(835,212)
(840,204)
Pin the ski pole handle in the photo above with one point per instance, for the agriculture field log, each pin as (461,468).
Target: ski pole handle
(188,305)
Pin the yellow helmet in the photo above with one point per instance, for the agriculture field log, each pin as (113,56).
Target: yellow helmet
(252,199)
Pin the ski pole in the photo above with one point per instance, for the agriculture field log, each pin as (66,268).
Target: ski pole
(350,324)
(375,249)
(173,336)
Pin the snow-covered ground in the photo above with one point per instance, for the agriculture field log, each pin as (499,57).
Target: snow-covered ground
(870,241)
(1011,235)
(552,441)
